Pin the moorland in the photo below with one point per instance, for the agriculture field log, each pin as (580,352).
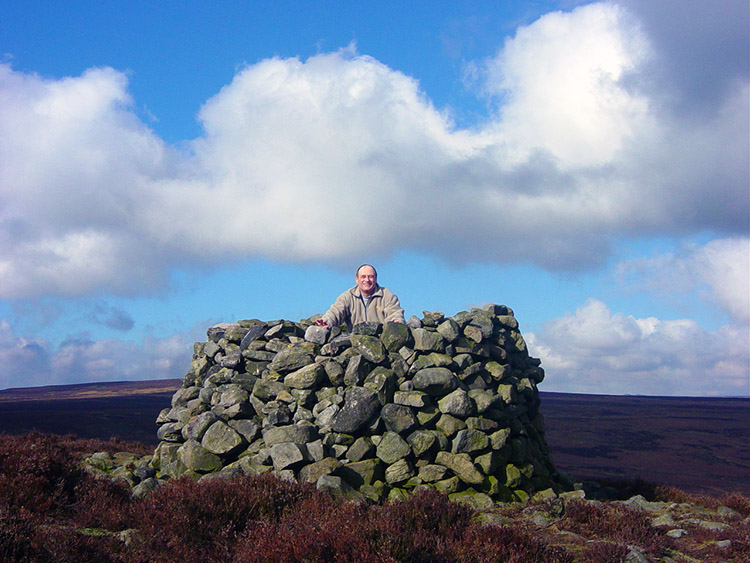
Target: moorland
(700,445)
(675,468)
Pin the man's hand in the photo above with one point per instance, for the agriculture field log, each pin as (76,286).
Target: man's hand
(321,322)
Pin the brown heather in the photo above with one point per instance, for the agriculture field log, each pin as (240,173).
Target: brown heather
(53,510)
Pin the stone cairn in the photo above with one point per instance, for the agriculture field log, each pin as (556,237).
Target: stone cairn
(448,403)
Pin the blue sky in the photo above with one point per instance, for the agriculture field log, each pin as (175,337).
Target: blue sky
(165,166)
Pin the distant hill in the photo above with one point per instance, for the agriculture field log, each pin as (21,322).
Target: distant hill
(697,444)
(89,390)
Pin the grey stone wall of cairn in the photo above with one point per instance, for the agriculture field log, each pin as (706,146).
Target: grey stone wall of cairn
(448,403)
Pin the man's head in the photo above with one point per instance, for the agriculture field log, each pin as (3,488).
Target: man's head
(367,279)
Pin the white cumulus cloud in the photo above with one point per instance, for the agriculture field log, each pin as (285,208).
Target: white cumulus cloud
(597,351)
(339,155)
(76,168)
(720,268)
(561,86)
(30,362)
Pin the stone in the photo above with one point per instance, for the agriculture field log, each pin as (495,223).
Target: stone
(421,442)
(363,472)
(277,346)
(449,330)
(635,555)
(303,397)
(211,349)
(463,345)
(326,415)
(395,336)
(435,381)
(398,418)
(197,458)
(367,329)
(427,340)
(314,471)
(449,425)
(233,395)
(478,501)
(663,520)
(362,448)
(370,347)
(197,426)
(407,354)
(248,429)
(277,414)
(383,382)
(457,404)
(307,377)
(398,472)
(433,359)
(512,476)
(417,399)
(162,417)
(180,414)
(336,345)
(726,512)
(473,332)
(356,370)
(221,439)
(295,433)
(267,390)
(638,502)
(231,360)
(286,455)
(185,394)
(443,402)
(392,448)
(170,432)
(253,333)
(508,394)
(316,334)
(489,462)
(432,318)
(360,406)
(447,486)
(334,373)
(146,487)
(291,359)
(398,365)
(469,441)
(483,399)
(428,415)
(432,472)
(484,424)
(500,438)
(483,320)
(708,524)
(258,355)
(334,483)
(462,466)
(544,495)
(315,450)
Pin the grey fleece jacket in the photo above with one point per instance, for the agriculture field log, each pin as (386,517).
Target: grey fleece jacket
(349,308)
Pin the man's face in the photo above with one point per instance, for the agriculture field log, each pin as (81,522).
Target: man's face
(366,280)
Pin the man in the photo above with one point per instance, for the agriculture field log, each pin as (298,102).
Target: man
(365,302)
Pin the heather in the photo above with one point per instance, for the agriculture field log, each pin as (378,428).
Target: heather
(53,509)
